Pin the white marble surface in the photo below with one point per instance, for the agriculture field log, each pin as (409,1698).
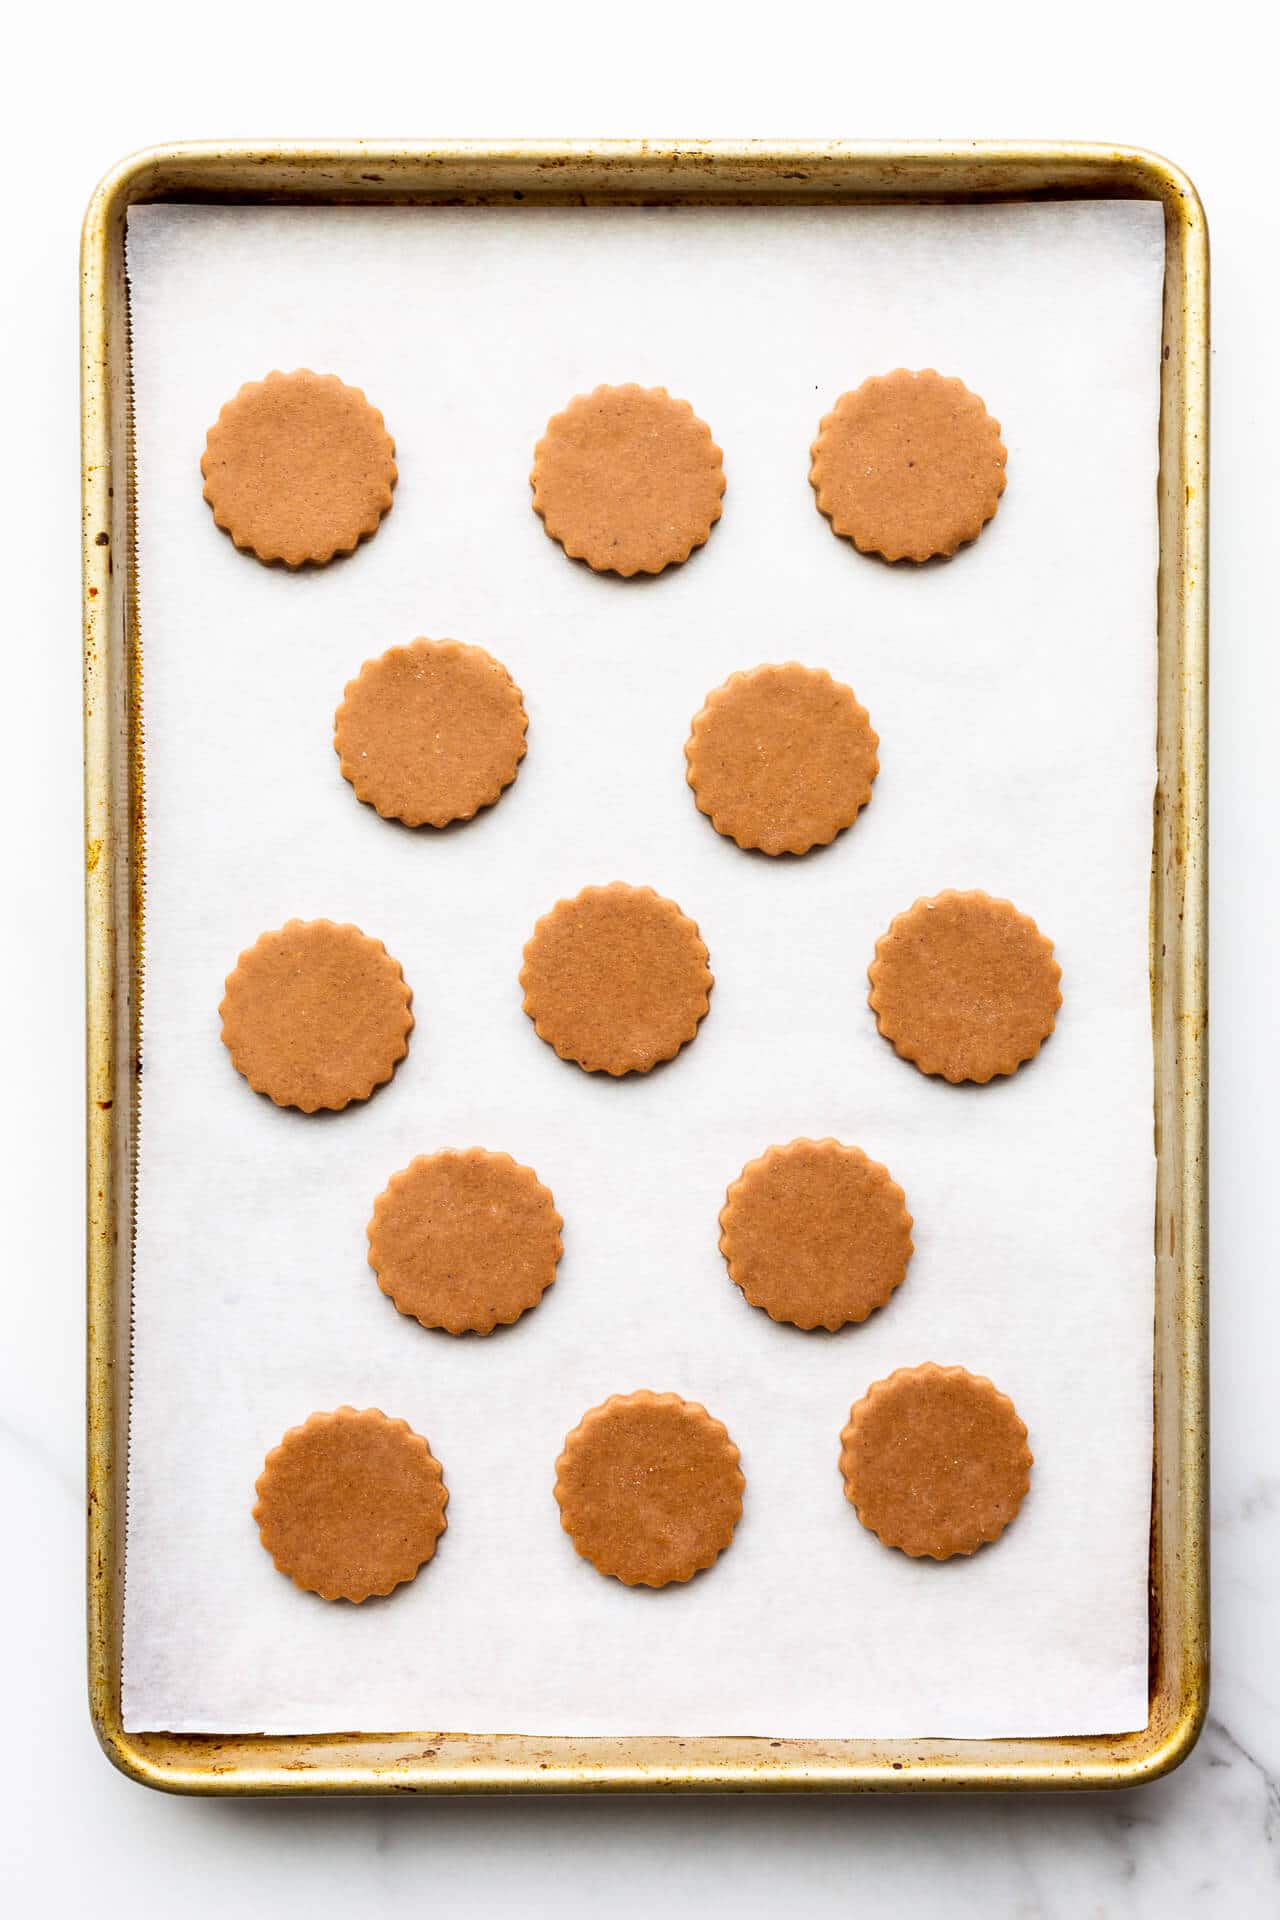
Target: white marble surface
(72,1833)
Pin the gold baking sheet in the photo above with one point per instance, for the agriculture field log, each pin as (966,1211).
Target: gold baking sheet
(114,861)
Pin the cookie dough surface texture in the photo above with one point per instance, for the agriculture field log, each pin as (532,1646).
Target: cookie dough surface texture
(965,986)
(908,465)
(649,1488)
(351,1504)
(816,1234)
(430,733)
(781,758)
(465,1241)
(935,1461)
(299,467)
(616,979)
(316,1015)
(627,479)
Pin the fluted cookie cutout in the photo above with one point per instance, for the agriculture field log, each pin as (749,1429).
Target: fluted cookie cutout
(781,758)
(316,1015)
(466,1241)
(935,1461)
(299,467)
(431,733)
(351,1504)
(628,479)
(965,986)
(616,979)
(908,465)
(816,1233)
(649,1488)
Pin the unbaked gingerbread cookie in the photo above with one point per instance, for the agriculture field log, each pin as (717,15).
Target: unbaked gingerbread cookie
(627,479)
(316,1015)
(782,758)
(935,1461)
(299,467)
(431,732)
(649,1488)
(908,465)
(616,979)
(965,986)
(466,1241)
(816,1233)
(351,1504)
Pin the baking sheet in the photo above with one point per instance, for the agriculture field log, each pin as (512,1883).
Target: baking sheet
(1013,690)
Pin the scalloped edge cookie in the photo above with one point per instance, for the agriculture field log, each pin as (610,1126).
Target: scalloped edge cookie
(483,705)
(831,737)
(417,1545)
(278,529)
(417,1187)
(905,1522)
(923,1039)
(758,1288)
(264,1053)
(957,468)
(586,1515)
(575,1041)
(625,523)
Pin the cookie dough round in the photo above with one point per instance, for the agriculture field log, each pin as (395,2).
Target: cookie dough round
(649,1488)
(466,1241)
(299,467)
(616,979)
(965,986)
(431,732)
(935,1461)
(816,1234)
(316,1015)
(781,758)
(351,1504)
(627,479)
(909,465)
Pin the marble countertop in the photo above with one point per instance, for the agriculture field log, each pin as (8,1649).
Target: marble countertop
(75,1835)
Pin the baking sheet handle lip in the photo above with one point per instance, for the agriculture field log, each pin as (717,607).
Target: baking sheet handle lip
(1139,170)
(1137,1760)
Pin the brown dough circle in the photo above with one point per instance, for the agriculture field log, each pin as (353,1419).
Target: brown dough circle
(627,479)
(299,467)
(964,986)
(431,732)
(781,758)
(649,1488)
(466,1241)
(316,1015)
(935,1461)
(616,979)
(908,465)
(351,1504)
(816,1234)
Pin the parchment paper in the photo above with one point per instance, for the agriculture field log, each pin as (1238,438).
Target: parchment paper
(1013,690)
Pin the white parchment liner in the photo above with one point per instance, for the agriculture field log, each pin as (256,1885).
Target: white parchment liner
(1013,690)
